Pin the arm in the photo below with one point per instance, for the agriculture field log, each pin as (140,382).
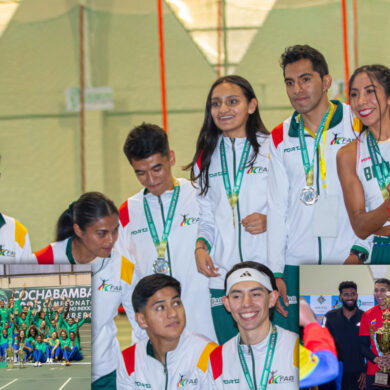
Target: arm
(363,223)
(67,307)
(277,195)
(206,233)
(129,279)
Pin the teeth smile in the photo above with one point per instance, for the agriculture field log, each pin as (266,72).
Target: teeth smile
(247,315)
(225,117)
(365,112)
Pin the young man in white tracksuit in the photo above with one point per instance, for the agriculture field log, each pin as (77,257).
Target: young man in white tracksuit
(171,356)
(307,219)
(159,224)
(262,355)
(14,241)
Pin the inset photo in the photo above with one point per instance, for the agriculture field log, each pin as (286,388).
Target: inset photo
(344,312)
(45,324)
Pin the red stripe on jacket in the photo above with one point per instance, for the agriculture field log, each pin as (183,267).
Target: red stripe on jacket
(216,362)
(277,134)
(129,359)
(45,255)
(124,216)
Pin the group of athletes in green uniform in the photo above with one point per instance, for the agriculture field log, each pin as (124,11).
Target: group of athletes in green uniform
(46,336)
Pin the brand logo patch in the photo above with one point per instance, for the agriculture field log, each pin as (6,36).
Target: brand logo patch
(108,287)
(259,169)
(279,379)
(187,221)
(184,381)
(340,140)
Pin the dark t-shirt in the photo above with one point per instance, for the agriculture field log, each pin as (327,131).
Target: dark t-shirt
(345,333)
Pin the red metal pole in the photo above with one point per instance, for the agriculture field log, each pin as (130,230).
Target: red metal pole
(162,66)
(345,41)
(355,34)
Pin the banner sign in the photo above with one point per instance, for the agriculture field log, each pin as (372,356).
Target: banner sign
(321,304)
(80,298)
(96,98)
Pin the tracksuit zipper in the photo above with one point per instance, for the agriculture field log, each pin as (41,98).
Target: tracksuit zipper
(163,218)
(166,372)
(238,202)
(318,191)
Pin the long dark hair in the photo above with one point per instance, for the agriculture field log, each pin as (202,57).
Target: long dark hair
(376,72)
(209,133)
(89,208)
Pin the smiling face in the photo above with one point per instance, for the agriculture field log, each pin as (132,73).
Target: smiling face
(155,172)
(249,303)
(380,291)
(369,101)
(305,88)
(163,317)
(99,237)
(349,297)
(230,109)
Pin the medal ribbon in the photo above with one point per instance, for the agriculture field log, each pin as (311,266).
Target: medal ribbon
(309,167)
(381,169)
(267,363)
(161,245)
(233,196)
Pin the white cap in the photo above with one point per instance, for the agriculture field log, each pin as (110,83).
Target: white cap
(247,275)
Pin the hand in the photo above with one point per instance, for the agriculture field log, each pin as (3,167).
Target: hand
(46,301)
(36,301)
(255,223)
(76,320)
(352,259)
(62,298)
(283,294)
(306,315)
(67,300)
(362,381)
(51,299)
(204,263)
(87,315)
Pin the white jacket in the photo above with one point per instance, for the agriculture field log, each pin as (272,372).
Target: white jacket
(14,241)
(290,236)
(134,237)
(364,169)
(231,244)
(186,366)
(225,370)
(112,284)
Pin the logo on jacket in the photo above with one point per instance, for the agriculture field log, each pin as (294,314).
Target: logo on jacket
(340,140)
(108,287)
(6,252)
(257,170)
(186,221)
(184,381)
(279,379)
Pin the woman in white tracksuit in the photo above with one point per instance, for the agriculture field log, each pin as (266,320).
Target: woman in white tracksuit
(230,167)
(86,234)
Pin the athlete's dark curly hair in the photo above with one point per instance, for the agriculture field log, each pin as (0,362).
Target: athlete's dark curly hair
(300,52)
(209,133)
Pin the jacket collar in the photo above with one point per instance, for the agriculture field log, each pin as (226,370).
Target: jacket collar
(2,220)
(336,119)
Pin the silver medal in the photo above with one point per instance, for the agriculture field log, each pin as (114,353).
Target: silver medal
(161,266)
(309,195)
